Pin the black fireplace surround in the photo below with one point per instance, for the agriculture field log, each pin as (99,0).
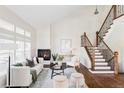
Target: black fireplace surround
(45,53)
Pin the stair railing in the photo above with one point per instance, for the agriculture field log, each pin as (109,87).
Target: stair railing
(110,56)
(85,42)
(115,12)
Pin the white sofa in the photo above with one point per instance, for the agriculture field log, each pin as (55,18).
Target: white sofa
(2,79)
(20,76)
(38,66)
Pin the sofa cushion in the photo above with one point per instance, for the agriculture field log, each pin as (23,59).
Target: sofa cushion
(30,63)
(38,68)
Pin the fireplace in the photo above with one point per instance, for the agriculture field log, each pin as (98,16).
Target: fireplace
(45,53)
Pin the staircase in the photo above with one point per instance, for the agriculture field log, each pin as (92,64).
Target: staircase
(103,59)
(101,66)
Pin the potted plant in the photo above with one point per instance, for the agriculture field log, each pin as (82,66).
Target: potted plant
(60,59)
(54,56)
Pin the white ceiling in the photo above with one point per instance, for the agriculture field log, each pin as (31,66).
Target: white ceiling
(41,15)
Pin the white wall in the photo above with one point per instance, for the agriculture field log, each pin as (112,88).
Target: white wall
(115,40)
(72,27)
(43,38)
(84,58)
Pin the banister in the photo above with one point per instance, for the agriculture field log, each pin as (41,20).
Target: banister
(106,17)
(87,38)
(106,44)
(88,53)
(110,59)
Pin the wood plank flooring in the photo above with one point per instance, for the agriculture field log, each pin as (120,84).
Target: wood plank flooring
(101,80)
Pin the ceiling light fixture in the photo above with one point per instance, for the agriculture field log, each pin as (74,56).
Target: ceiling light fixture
(96,11)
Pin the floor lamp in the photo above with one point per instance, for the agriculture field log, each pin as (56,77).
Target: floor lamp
(8,46)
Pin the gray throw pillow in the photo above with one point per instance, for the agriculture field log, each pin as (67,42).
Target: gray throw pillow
(30,63)
(18,64)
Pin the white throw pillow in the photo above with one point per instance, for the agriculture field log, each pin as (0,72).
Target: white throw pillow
(35,61)
(40,60)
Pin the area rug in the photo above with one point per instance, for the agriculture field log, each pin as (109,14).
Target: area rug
(44,79)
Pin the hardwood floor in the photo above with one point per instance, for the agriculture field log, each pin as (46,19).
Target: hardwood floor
(101,80)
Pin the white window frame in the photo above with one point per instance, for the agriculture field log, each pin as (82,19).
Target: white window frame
(66,49)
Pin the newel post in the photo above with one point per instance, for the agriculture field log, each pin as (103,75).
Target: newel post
(93,59)
(97,38)
(116,63)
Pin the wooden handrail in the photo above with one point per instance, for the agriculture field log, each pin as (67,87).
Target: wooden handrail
(106,17)
(88,44)
(88,53)
(87,38)
(110,59)
(105,44)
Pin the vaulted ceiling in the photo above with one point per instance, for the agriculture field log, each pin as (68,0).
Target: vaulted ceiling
(41,15)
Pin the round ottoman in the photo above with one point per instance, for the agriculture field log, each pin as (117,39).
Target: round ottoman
(60,81)
(77,80)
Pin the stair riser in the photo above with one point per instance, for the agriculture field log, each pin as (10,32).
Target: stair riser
(97,54)
(99,59)
(95,47)
(101,64)
(104,68)
(101,72)
(96,51)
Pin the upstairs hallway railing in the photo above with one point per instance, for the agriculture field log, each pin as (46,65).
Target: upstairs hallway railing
(115,12)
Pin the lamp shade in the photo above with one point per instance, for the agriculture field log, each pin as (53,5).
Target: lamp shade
(7,46)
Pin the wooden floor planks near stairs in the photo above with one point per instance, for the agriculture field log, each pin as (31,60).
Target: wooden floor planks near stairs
(101,80)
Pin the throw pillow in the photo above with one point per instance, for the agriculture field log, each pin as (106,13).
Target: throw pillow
(40,60)
(18,64)
(30,63)
(37,59)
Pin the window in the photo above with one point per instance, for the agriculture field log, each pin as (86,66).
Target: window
(18,36)
(20,51)
(27,49)
(65,45)
(4,55)
(27,34)
(19,30)
(6,25)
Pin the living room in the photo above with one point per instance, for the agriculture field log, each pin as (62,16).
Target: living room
(32,37)
(27,41)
